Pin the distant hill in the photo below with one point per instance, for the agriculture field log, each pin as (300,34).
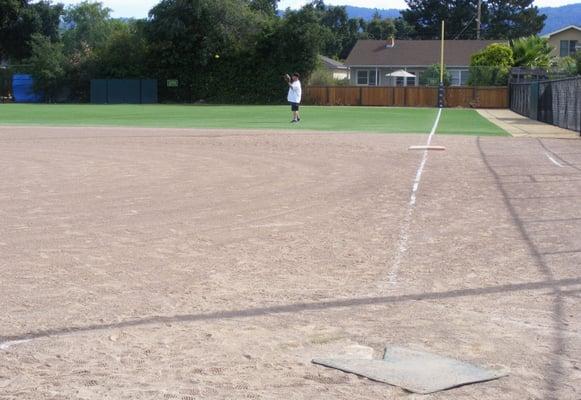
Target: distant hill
(367,13)
(560,17)
(557,17)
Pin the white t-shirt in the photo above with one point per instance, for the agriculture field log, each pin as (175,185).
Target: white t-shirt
(295,92)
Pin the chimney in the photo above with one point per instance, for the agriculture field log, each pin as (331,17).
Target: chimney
(391,43)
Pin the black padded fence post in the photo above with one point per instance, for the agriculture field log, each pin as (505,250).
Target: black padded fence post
(441,95)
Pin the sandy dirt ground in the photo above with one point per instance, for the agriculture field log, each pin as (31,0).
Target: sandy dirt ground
(183,264)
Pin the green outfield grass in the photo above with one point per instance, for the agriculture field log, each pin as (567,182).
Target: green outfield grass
(467,122)
(343,119)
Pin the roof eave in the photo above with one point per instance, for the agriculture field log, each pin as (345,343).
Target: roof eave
(548,35)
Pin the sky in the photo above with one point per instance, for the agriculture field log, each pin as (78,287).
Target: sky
(140,8)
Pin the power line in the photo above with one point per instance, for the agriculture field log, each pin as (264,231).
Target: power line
(465,27)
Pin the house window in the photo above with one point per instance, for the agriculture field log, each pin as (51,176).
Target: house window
(459,77)
(366,77)
(568,48)
(455,78)
(411,81)
(464,77)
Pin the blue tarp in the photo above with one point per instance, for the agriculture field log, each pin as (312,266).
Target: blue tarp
(23,90)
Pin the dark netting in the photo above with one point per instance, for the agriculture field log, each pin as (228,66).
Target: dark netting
(563,103)
(554,102)
(520,98)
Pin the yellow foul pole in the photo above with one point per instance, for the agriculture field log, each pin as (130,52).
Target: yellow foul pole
(442,58)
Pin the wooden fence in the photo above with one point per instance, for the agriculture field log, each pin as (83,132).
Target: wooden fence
(410,96)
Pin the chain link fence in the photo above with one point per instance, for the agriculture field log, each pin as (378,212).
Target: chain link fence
(556,102)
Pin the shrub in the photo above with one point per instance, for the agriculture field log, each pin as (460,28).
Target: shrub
(431,76)
(491,66)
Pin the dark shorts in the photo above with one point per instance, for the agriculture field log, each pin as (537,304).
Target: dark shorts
(294,106)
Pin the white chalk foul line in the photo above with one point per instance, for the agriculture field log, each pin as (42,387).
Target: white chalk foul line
(7,345)
(404,233)
(557,163)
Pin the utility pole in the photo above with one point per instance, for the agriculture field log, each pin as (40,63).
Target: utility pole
(478,18)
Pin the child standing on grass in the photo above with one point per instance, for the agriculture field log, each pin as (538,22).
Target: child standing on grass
(294,95)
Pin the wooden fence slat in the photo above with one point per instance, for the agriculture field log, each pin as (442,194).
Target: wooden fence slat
(410,96)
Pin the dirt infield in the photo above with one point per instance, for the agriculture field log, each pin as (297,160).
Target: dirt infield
(183,264)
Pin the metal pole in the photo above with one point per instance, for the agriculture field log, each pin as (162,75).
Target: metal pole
(441,92)
(478,20)
(442,58)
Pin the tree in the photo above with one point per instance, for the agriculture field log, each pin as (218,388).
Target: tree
(10,37)
(88,28)
(124,55)
(380,29)
(300,39)
(49,16)
(268,7)
(532,52)
(578,62)
(19,20)
(491,66)
(426,16)
(88,25)
(512,19)
(403,30)
(500,19)
(191,32)
(339,32)
(201,42)
(47,65)
(355,31)
(431,76)
(290,45)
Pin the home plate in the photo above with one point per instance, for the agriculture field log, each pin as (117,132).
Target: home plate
(441,148)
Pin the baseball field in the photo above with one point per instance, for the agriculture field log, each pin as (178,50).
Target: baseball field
(211,252)
(334,119)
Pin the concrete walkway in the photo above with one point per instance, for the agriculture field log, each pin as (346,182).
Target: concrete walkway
(520,126)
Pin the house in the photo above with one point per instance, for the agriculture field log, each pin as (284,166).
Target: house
(381,63)
(338,69)
(565,41)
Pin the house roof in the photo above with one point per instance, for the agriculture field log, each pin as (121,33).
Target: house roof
(332,64)
(414,52)
(562,30)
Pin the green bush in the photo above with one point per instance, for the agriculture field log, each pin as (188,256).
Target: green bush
(491,66)
(567,65)
(321,77)
(488,76)
(431,76)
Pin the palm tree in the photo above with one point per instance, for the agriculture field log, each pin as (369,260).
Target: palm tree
(532,52)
